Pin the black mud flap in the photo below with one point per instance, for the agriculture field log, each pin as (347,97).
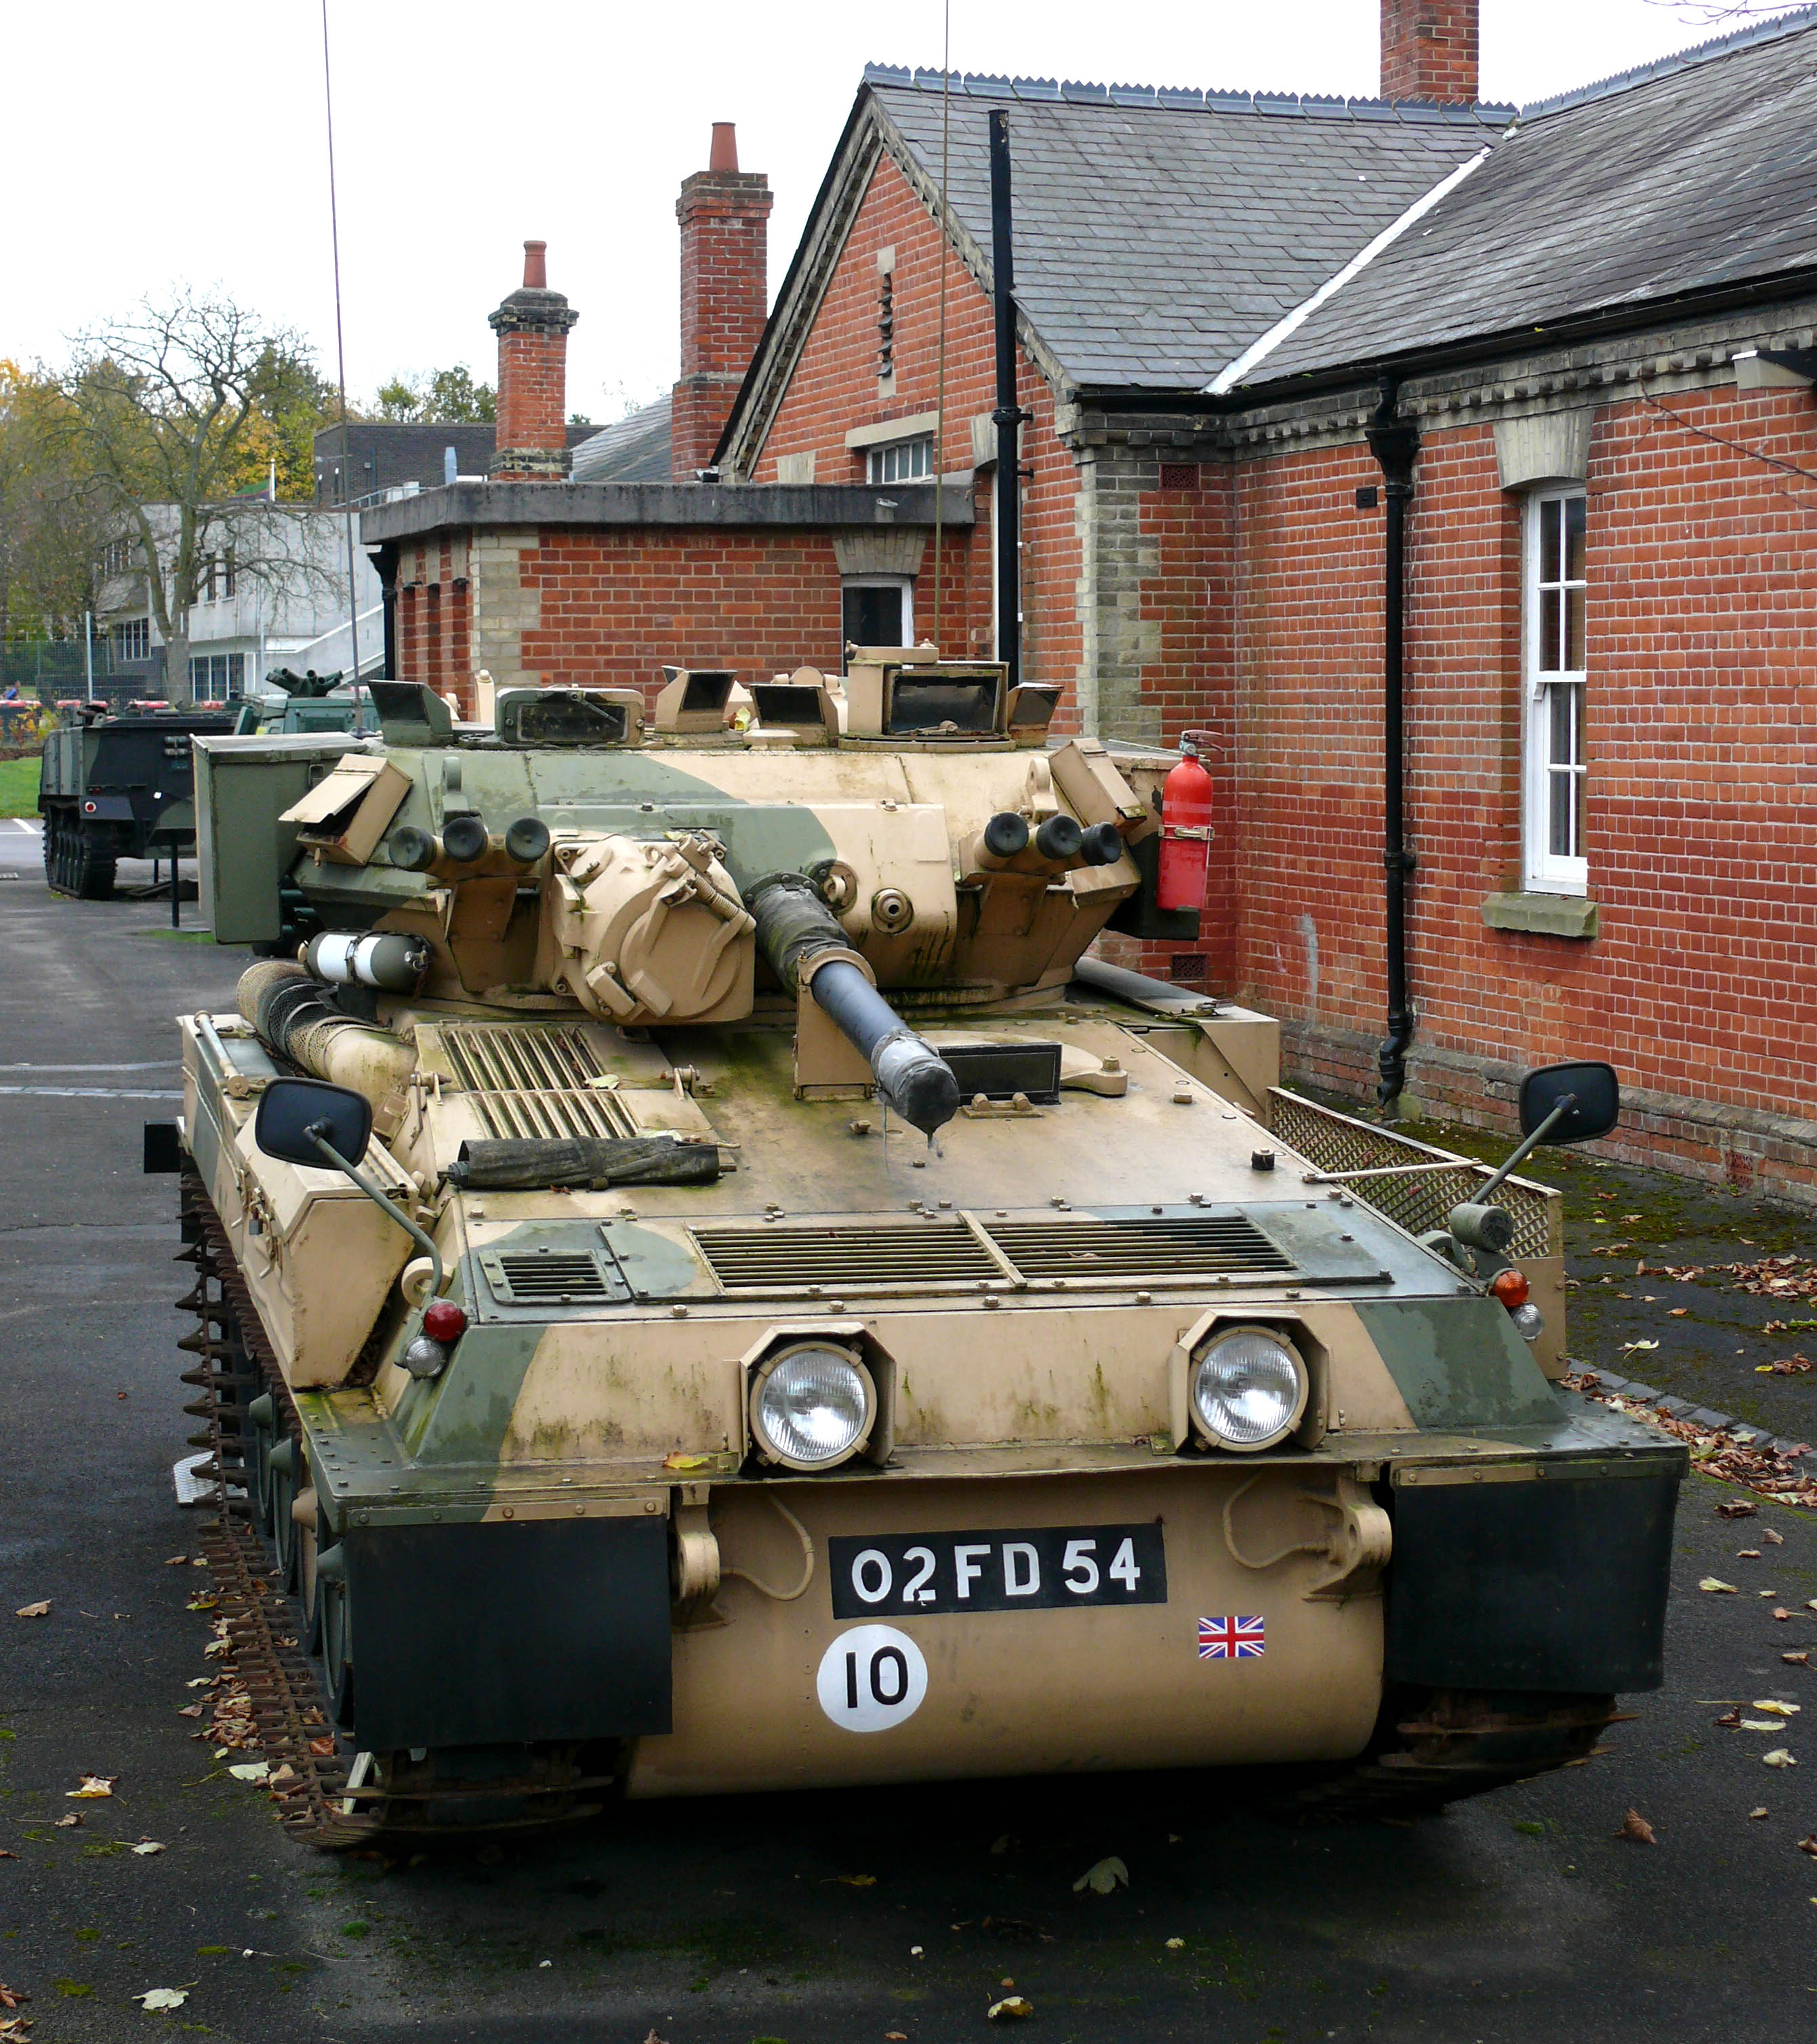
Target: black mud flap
(1554,1583)
(163,1147)
(500,1632)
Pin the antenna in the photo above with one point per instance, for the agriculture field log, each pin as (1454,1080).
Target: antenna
(940,372)
(340,365)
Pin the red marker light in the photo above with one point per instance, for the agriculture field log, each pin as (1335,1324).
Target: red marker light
(1509,1286)
(444,1321)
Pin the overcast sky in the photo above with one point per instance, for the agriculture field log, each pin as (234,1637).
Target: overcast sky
(147,145)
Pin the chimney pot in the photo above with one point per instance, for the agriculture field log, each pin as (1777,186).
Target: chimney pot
(535,266)
(725,153)
(531,443)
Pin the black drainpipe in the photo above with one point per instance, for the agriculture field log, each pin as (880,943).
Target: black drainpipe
(1395,443)
(1009,415)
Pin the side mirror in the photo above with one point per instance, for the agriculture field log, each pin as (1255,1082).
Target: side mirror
(288,1108)
(1593,1091)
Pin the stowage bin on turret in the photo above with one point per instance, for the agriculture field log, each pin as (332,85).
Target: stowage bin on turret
(714,1287)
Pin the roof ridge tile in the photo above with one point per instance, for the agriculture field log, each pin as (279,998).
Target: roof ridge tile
(1771,30)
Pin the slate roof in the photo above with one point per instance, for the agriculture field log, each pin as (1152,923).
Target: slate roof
(1687,176)
(635,449)
(1159,232)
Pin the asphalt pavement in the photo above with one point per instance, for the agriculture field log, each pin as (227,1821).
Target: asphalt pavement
(818,1919)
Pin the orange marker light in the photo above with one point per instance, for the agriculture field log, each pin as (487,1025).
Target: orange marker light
(1511,1287)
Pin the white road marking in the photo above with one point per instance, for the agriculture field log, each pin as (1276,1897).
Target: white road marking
(155,1064)
(88,1092)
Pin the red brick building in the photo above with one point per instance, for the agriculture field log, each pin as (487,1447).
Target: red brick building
(1566,348)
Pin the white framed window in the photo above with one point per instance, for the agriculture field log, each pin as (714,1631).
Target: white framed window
(132,640)
(878,610)
(900,461)
(1555,593)
(216,676)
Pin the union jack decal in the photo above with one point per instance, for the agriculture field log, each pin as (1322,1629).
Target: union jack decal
(1231,1638)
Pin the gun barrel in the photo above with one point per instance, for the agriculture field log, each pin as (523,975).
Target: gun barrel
(794,926)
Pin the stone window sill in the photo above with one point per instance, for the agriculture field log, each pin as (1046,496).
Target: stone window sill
(1542,915)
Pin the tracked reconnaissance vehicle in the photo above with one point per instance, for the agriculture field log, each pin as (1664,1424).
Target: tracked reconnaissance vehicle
(707,1286)
(112,787)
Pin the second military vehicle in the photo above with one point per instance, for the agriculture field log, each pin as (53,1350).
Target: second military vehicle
(117,787)
(709,1287)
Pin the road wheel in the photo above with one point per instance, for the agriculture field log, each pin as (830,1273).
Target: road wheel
(52,838)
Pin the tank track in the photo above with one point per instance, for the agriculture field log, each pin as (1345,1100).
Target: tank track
(72,865)
(1435,1746)
(329,1795)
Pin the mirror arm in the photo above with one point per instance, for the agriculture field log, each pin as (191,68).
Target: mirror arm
(424,1241)
(1527,1148)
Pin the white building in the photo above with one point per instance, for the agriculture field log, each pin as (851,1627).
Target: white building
(275,593)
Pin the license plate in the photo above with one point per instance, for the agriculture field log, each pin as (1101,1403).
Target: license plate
(1047,1568)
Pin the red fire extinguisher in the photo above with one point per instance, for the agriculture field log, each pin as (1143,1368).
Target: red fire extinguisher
(1186,828)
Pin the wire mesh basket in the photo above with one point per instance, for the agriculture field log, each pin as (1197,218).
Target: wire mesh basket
(1415,1184)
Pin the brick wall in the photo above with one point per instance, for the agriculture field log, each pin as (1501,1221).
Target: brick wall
(835,388)
(607,607)
(1702,743)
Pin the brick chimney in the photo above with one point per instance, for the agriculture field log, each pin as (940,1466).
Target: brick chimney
(724,214)
(1429,50)
(532,329)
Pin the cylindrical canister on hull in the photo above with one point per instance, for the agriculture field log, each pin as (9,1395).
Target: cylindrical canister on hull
(388,959)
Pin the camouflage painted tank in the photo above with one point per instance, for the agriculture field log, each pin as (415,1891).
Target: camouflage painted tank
(710,1288)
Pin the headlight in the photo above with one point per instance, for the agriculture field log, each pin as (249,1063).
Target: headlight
(1249,1389)
(812,1406)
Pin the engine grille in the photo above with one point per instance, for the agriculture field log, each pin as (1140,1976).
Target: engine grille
(545,1277)
(918,1257)
(533,1079)
(956,1255)
(1182,1249)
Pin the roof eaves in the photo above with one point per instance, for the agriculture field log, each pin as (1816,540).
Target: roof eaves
(1687,59)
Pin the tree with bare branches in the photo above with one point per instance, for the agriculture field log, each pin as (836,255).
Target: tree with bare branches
(167,413)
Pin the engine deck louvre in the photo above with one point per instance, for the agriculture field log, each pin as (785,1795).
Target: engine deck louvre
(970,1253)
(527,1080)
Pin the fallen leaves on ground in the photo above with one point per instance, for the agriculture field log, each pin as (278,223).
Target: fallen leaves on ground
(1635,1827)
(1772,1538)
(156,1997)
(1761,1811)
(94,1786)
(1677,1312)
(653,2038)
(1785,1479)
(1730,1720)
(1801,1659)
(68,1822)
(853,1879)
(1104,1878)
(1778,1758)
(1176,1944)
(40,1610)
(896,2036)
(15,2030)
(12,1997)
(147,1847)
(1775,1709)
(1747,1553)
(251,1770)
(1737,1507)
(5,1854)
(1717,1587)
(1781,1612)
(1808,1845)
(1011,2007)
(1788,1365)
(1762,1724)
